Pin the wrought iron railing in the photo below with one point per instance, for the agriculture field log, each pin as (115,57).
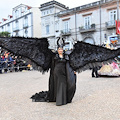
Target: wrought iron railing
(66,31)
(110,23)
(87,27)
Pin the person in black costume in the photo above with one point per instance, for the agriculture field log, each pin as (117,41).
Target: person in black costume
(62,80)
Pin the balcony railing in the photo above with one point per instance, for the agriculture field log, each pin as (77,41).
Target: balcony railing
(66,32)
(25,25)
(110,24)
(89,28)
(15,29)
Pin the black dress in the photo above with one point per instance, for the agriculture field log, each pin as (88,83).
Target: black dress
(62,83)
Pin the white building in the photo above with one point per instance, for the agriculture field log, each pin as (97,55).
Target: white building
(93,23)
(49,24)
(24,21)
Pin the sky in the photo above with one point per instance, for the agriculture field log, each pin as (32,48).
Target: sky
(7,5)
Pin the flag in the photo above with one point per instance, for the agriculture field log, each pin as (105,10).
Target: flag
(4,19)
(28,7)
(117,27)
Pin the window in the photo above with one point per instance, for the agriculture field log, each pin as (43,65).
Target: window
(87,22)
(56,25)
(26,9)
(25,21)
(112,17)
(17,24)
(66,26)
(16,13)
(51,11)
(44,13)
(26,33)
(47,29)
(22,10)
(8,27)
(17,34)
(2,28)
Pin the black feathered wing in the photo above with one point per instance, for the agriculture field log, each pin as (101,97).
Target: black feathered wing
(86,56)
(33,49)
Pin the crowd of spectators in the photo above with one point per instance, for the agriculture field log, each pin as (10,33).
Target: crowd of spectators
(10,63)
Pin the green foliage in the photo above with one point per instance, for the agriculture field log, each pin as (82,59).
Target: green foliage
(4,34)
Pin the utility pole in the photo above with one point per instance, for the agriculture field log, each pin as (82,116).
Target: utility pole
(100,25)
(75,25)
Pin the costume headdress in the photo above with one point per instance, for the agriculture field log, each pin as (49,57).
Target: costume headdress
(60,42)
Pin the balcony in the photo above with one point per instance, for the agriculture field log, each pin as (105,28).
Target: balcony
(84,29)
(105,1)
(80,8)
(25,25)
(110,24)
(66,32)
(16,29)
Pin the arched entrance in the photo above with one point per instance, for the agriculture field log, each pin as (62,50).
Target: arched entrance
(89,40)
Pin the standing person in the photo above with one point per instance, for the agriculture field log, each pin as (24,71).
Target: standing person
(1,64)
(62,73)
(6,64)
(95,72)
(16,63)
(11,63)
(62,80)
(20,63)
(0,67)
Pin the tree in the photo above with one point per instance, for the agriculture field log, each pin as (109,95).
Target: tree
(4,34)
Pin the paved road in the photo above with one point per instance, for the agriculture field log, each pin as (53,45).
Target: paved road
(95,98)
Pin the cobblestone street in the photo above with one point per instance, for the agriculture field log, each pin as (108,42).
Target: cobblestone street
(95,98)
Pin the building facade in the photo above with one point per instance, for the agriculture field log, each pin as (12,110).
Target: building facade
(24,21)
(48,23)
(92,23)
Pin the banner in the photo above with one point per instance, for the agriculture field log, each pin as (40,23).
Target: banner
(117,27)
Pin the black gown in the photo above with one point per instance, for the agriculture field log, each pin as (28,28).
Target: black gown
(62,83)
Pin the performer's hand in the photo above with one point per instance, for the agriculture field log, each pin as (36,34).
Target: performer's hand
(74,72)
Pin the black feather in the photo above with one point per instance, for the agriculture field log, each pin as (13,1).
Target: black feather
(31,49)
(86,56)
